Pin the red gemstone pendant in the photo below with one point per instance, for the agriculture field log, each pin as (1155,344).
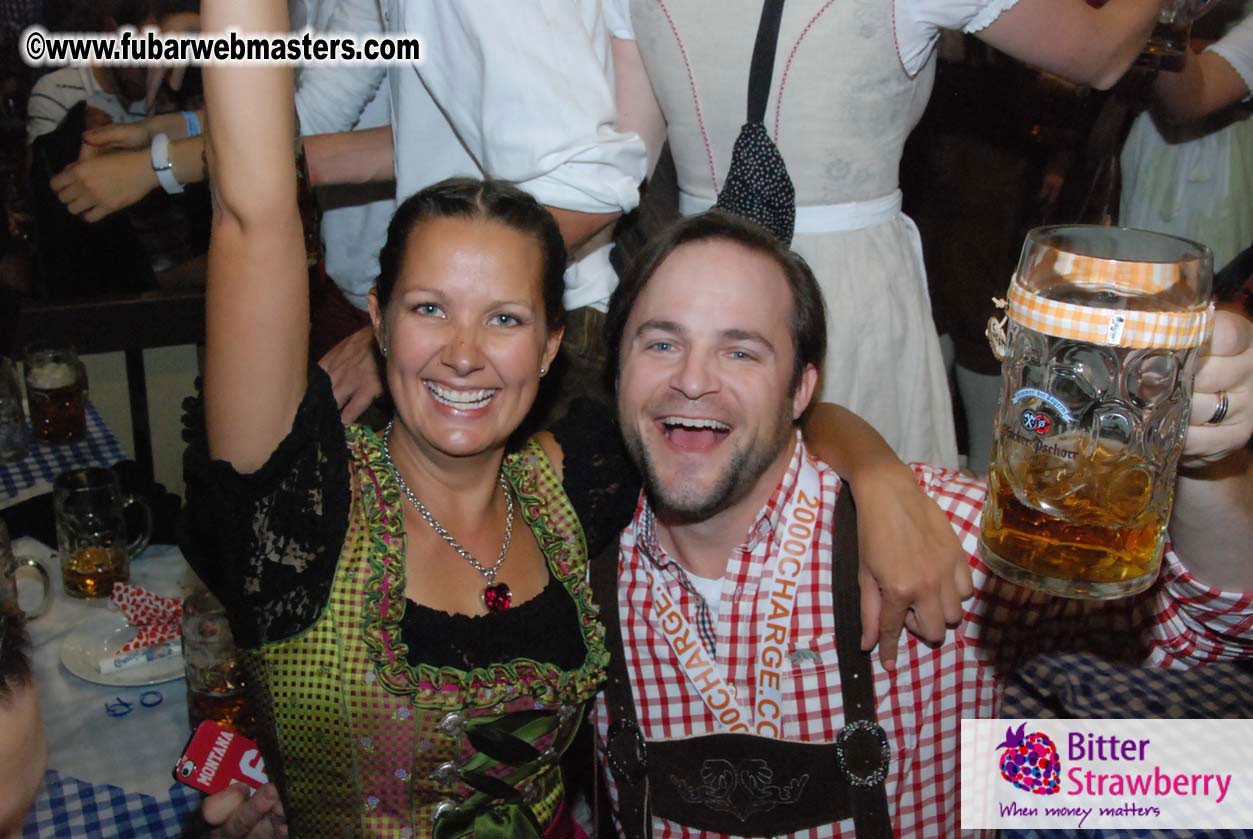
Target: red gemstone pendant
(497,597)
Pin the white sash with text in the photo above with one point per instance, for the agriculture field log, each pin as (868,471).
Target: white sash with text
(798,539)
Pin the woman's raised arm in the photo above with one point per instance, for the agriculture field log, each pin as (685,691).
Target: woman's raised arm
(257,303)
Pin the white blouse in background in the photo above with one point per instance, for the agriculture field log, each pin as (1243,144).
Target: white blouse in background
(918,23)
(481,103)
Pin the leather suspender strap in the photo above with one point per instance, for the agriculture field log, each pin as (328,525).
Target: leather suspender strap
(862,746)
(627,756)
(762,68)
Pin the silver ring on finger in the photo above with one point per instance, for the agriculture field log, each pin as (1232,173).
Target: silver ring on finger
(1220,410)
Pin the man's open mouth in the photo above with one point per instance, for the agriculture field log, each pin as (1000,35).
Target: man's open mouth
(693,433)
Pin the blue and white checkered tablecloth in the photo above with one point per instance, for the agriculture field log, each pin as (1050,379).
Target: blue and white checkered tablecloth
(34,474)
(68,808)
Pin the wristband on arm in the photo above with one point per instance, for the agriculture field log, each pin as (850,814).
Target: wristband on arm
(161,165)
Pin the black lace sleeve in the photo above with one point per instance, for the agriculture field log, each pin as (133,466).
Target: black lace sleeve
(267,543)
(599,477)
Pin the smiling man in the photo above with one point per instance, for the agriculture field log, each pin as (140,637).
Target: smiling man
(739,703)
(708,401)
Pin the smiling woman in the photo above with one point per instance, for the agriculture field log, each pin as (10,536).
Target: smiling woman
(433,581)
(465,325)
(401,550)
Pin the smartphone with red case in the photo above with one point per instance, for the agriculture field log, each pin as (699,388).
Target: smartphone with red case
(216,757)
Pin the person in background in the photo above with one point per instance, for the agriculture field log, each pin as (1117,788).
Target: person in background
(74,256)
(849,82)
(1016,126)
(113,94)
(524,96)
(117,166)
(354,217)
(1187,165)
(329,98)
(547,124)
(23,748)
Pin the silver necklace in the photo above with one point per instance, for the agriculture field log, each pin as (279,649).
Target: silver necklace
(496,596)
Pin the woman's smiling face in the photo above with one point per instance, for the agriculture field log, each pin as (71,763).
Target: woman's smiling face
(465,334)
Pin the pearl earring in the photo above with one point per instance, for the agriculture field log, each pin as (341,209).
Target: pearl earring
(543,370)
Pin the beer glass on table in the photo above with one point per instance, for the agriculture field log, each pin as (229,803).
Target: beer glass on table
(1105,325)
(215,685)
(91,531)
(56,390)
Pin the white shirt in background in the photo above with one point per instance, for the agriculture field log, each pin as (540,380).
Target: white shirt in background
(522,92)
(333,98)
(55,93)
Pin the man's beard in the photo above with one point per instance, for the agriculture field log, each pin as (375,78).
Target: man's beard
(738,477)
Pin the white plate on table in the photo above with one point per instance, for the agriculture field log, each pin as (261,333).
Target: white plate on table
(100,636)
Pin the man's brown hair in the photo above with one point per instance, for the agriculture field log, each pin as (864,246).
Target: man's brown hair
(808,322)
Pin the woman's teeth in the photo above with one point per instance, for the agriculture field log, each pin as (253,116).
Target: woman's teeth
(466,400)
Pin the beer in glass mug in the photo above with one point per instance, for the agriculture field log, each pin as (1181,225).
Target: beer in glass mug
(92,533)
(56,390)
(1104,328)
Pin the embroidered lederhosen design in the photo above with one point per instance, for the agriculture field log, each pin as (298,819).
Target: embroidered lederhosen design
(743,784)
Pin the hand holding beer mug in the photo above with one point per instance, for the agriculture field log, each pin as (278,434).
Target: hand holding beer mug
(1167,47)
(1105,325)
(91,531)
(56,390)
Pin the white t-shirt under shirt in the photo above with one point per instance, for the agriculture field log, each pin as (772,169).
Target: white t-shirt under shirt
(710,591)
(55,93)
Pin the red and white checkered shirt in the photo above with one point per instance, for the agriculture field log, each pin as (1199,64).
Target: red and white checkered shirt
(1177,623)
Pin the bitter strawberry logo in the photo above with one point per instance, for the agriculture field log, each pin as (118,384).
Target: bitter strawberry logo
(1030,761)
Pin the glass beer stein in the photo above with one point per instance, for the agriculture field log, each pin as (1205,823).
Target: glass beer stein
(56,389)
(1105,325)
(90,506)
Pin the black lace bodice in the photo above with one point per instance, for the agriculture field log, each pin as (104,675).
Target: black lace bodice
(267,543)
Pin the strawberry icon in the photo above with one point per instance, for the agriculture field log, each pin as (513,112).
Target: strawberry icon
(1030,761)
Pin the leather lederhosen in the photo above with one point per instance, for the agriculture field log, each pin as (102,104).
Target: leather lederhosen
(743,784)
